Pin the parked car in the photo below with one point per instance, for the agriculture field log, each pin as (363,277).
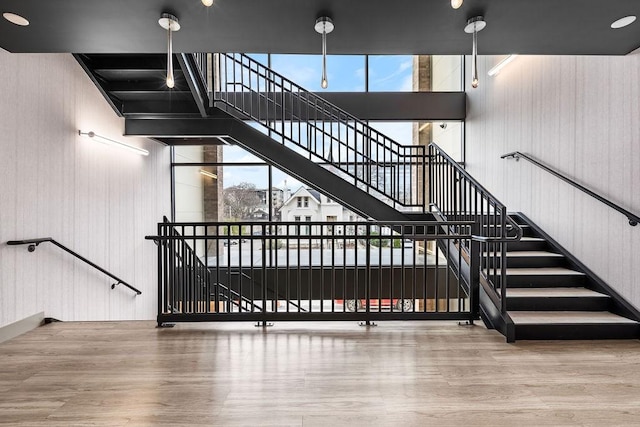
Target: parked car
(358,305)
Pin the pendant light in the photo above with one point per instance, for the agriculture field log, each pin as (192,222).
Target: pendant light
(324,25)
(475,24)
(170,23)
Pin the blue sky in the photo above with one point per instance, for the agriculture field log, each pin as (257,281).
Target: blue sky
(345,73)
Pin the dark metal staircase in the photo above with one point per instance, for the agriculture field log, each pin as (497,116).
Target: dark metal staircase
(530,287)
(307,137)
(551,295)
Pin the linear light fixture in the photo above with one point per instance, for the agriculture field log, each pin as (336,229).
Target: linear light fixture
(170,23)
(475,24)
(114,143)
(209,174)
(324,25)
(500,65)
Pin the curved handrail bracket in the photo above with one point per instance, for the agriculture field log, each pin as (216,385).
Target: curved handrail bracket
(517,155)
(33,243)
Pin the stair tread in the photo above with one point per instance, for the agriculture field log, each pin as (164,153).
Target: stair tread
(543,271)
(553,293)
(567,317)
(527,254)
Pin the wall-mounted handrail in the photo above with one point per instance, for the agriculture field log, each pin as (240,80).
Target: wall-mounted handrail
(517,155)
(33,243)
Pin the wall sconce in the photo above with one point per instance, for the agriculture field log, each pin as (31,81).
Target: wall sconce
(475,24)
(209,174)
(207,3)
(324,25)
(169,23)
(456,4)
(118,144)
(500,65)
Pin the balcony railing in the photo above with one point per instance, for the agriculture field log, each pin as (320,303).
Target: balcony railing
(263,271)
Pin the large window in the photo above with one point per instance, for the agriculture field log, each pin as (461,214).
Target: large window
(226,183)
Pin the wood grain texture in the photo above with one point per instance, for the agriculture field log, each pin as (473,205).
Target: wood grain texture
(579,115)
(95,199)
(311,374)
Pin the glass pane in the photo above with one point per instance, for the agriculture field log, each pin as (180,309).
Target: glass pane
(345,73)
(390,73)
(446,73)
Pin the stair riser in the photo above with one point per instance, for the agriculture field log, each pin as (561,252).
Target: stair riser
(527,262)
(545,281)
(528,246)
(577,332)
(494,231)
(558,304)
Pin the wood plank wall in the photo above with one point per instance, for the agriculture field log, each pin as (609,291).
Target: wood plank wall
(98,200)
(581,116)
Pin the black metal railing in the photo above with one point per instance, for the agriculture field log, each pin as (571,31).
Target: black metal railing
(33,243)
(264,271)
(457,196)
(633,218)
(321,131)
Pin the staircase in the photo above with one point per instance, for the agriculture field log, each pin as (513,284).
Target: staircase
(543,293)
(551,295)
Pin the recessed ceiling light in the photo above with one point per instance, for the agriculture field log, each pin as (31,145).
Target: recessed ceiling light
(15,19)
(623,22)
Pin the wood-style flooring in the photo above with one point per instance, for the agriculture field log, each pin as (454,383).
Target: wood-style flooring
(312,374)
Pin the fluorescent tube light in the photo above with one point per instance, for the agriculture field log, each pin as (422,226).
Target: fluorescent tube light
(108,141)
(209,174)
(500,65)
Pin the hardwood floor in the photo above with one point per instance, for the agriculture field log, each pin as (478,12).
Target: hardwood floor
(312,374)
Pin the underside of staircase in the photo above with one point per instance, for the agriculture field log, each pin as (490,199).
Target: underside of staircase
(550,294)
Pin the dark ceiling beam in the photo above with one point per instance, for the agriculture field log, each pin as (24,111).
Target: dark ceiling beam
(159,108)
(179,128)
(378,27)
(128,62)
(380,106)
(401,106)
(144,86)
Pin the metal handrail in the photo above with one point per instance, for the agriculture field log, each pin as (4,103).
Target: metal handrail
(373,159)
(33,243)
(484,191)
(455,194)
(517,155)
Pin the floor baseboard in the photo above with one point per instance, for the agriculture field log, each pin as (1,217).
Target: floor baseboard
(20,327)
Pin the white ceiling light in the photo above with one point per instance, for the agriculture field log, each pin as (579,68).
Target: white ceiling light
(500,65)
(16,19)
(456,4)
(169,23)
(104,140)
(324,25)
(475,24)
(623,22)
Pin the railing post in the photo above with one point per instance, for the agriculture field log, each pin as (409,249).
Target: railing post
(503,259)
(474,274)
(161,244)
